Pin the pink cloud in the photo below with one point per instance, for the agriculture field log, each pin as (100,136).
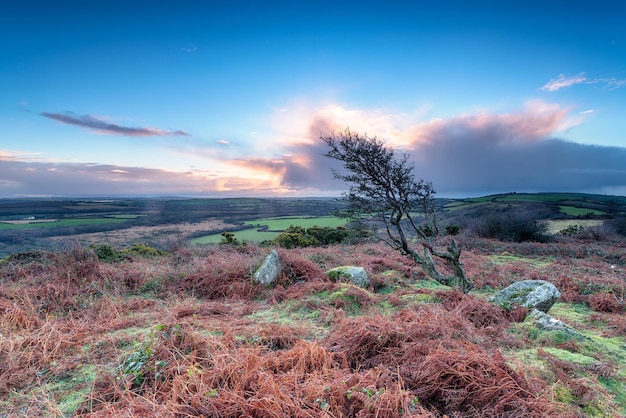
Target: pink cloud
(538,120)
(481,153)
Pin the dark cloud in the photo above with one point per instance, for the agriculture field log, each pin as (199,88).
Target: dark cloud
(467,165)
(479,155)
(104,127)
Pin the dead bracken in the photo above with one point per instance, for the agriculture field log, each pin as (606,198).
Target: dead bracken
(152,336)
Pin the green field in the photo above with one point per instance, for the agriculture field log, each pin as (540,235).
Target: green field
(574,211)
(274,227)
(62,222)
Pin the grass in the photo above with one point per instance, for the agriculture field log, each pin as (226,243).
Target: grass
(507,258)
(576,211)
(80,337)
(62,223)
(274,226)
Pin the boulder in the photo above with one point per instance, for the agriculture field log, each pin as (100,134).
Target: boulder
(547,323)
(355,275)
(537,294)
(270,270)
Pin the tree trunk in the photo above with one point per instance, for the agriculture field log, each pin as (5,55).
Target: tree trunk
(452,258)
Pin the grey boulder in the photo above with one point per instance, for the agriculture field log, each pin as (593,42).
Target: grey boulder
(270,270)
(355,275)
(534,294)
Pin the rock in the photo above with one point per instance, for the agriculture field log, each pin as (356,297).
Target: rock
(545,322)
(537,294)
(356,275)
(270,270)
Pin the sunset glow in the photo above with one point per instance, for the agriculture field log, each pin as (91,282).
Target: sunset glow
(107,98)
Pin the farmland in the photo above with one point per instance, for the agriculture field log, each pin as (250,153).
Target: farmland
(55,223)
(268,228)
(42,224)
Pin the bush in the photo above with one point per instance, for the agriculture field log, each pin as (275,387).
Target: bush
(619,225)
(144,251)
(452,229)
(107,253)
(511,226)
(296,236)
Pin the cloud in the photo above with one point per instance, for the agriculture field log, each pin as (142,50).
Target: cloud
(103,127)
(43,178)
(466,155)
(562,81)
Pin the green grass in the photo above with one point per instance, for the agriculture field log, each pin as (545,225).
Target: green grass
(280,224)
(576,211)
(507,258)
(62,222)
(538,197)
(275,226)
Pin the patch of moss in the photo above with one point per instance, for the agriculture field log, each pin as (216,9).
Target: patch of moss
(386,308)
(508,258)
(562,394)
(290,313)
(430,284)
(70,390)
(565,355)
(419,298)
(393,276)
(617,388)
(571,313)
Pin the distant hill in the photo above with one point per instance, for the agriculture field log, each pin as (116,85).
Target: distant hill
(568,204)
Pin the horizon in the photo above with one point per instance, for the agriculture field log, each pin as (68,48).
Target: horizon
(209,100)
(107,198)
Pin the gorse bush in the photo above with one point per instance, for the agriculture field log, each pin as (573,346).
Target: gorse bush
(108,254)
(296,236)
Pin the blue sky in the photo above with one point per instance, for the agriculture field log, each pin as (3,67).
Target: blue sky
(215,98)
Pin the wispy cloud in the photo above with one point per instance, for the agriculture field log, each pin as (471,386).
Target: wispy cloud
(563,81)
(101,126)
(189,49)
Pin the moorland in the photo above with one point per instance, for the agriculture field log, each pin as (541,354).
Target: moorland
(115,308)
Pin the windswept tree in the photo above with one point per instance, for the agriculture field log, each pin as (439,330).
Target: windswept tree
(383,188)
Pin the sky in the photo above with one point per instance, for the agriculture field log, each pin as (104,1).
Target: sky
(230,98)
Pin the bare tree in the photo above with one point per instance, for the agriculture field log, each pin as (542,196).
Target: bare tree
(383,187)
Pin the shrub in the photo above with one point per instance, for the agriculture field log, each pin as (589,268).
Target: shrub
(571,230)
(107,253)
(511,226)
(229,238)
(452,229)
(296,236)
(619,225)
(144,251)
